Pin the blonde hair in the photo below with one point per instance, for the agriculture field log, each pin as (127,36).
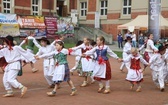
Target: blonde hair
(134,50)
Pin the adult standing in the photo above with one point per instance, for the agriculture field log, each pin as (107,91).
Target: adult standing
(141,40)
(133,36)
(120,40)
(128,34)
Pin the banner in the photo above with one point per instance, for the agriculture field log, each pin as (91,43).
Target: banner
(51,25)
(8,18)
(38,32)
(154,17)
(65,27)
(31,21)
(8,25)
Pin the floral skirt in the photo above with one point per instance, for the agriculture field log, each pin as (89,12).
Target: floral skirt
(81,72)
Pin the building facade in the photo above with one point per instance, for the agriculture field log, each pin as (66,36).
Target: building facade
(38,7)
(114,12)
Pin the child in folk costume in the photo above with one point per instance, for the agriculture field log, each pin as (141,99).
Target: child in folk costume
(30,42)
(3,62)
(77,58)
(48,63)
(135,75)
(158,65)
(165,72)
(12,55)
(102,70)
(61,72)
(126,53)
(150,48)
(86,62)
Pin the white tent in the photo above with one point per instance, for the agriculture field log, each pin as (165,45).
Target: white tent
(141,22)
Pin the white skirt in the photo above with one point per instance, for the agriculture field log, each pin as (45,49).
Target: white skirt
(99,70)
(134,75)
(87,65)
(59,73)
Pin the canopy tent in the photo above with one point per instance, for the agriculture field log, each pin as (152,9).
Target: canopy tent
(141,22)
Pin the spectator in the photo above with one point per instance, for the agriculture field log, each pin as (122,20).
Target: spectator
(127,35)
(141,40)
(133,36)
(120,40)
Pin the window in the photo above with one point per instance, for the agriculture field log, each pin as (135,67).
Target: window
(7,6)
(103,7)
(127,7)
(35,9)
(83,8)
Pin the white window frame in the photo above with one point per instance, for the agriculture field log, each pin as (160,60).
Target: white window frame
(127,6)
(104,8)
(35,5)
(83,9)
(7,9)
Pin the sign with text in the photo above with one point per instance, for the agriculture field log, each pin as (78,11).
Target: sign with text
(8,25)
(31,21)
(51,25)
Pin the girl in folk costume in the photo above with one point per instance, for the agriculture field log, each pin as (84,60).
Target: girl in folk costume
(126,53)
(102,70)
(48,63)
(135,75)
(12,55)
(61,70)
(158,65)
(150,48)
(86,62)
(77,58)
(30,42)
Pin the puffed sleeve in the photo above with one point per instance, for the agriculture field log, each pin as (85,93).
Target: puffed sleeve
(111,53)
(143,60)
(152,46)
(29,56)
(77,47)
(90,52)
(1,53)
(48,54)
(36,43)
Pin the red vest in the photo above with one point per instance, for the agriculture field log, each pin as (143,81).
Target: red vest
(135,64)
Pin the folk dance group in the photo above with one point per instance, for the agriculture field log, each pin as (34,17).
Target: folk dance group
(91,60)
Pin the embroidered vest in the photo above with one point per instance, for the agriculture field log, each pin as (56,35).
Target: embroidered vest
(61,58)
(30,44)
(135,64)
(102,53)
(84,50)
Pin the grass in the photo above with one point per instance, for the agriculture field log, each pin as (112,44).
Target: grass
(119,53)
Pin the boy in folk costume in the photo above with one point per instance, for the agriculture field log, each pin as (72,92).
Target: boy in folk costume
(48,63)
(165,72)
(135,75)
(126,53)
(12,55)
(158,65)
(86,62)
(102,70)
(61,70)
(30,42)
